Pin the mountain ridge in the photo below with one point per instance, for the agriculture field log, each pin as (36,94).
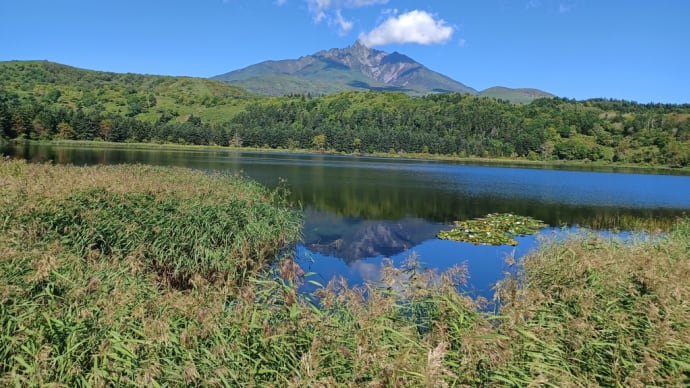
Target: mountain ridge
(355,67)
(358,67)
(309,82)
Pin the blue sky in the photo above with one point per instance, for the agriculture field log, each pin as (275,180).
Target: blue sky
(633,50)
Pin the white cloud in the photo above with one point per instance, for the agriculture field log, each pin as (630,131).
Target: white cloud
(322,5)
(550,5)
(533,4)
(368,271)
(412,27)
(331,11)
(565,8)
(344,25)
(280,2)
(317,9)
(364,3)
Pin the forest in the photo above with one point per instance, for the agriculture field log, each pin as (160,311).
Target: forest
(42,100)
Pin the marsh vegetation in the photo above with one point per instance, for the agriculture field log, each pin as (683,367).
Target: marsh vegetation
(134,275)
(358,210)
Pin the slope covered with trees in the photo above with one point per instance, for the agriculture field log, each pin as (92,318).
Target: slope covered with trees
(45,100)
(41,100)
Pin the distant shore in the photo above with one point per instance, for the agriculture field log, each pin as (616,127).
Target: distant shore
(574,165)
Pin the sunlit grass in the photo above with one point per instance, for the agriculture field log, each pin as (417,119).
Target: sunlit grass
(145,276)
(595,311)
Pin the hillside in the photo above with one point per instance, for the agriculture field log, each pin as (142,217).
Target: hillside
(43,100)
(146,97)
(356,67)
(516,96)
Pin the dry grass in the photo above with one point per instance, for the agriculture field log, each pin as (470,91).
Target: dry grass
(33,181)
(583,312)
(594,311)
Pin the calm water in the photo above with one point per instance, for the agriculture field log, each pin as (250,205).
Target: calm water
(359,210)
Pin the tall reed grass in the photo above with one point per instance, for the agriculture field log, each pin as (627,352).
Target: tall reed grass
(594,311)
(142,276)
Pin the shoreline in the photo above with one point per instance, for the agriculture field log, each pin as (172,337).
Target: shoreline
(150,276)
(568,165)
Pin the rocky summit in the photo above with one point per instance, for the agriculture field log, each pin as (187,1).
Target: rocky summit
(356,67)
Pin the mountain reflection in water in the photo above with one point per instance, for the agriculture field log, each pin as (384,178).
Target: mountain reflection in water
(356,249)
(361,209)
(352,239)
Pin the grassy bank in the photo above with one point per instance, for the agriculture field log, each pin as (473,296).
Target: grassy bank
(142,276)
(576,165)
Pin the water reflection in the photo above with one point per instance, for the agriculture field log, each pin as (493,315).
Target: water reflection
(352,239)
(486,264)
(361,209)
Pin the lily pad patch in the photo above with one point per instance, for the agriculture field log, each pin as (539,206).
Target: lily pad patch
(493,229)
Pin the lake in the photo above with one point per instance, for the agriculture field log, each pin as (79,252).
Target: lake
(360,210)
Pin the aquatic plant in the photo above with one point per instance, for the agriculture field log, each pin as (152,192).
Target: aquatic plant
(625,222)
(493,229)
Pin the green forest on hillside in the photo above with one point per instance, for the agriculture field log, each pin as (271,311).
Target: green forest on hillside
(43,100)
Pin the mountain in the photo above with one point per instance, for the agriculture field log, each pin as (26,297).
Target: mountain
(516,96)
(356,67)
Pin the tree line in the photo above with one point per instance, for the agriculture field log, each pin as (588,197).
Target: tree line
(355,122)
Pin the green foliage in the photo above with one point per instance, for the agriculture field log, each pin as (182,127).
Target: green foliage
(493,229)
(65,94)
(43,100)
(177,237)
(221,235)
(81,304)
(597,312)
(319,141)
(580,147)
